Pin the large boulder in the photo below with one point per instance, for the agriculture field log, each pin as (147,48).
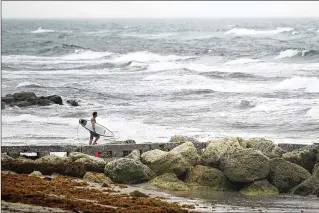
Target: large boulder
(23,96)
(188,151)
(97,178)
(307,187)
(55,99)
(259,188)
(246,165)
(265,146)
(129,171)
(218,148)
(286,175)
(207,176)
(169,181)
(171,163)
(305,156)
(181,138)
(92,164)
(135,154)
(150,157)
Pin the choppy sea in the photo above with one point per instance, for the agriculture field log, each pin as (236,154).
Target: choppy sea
(151,79)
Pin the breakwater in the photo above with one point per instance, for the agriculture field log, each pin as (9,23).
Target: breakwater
(111,150)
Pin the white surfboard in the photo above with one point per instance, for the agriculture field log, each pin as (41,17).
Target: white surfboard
(99,129)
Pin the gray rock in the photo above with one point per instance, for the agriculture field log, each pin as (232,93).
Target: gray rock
(246,165)
(53,159)
(188,151)
(218,148)
(285,175)
(23,96)
(5,157)
(36,174)
(305,156)
(72,102)
(265,146)
(170,163)
(181,138)
(128,171)
(135,154)
(55,99)
(152,156)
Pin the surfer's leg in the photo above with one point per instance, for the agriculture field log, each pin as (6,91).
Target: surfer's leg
(96,138)
(91,138)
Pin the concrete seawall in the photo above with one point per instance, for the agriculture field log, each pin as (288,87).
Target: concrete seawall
(110,150)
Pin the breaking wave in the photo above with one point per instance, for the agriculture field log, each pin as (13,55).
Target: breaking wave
(253,32)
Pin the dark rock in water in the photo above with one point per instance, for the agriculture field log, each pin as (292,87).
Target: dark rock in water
(307,187)
(285,175)
(43,102)
(245,104)
(25,99)
(2,105)
(72,102)
(23,96)
(305,156)
(55,99)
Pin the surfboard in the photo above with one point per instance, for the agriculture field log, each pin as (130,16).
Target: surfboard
(99,129)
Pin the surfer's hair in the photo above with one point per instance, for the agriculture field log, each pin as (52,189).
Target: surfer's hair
(94,113)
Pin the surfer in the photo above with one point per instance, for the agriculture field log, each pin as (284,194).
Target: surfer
(93,133)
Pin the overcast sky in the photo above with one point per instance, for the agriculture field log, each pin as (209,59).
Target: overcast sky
(158,9)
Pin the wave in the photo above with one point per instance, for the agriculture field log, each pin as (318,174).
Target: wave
(233,75)
(185,92)
(42,30)
(149,36)
(253,32)
(295,52)
(146,56)
(309,84)
(38,119)
(313,113)
(28,85)
(242,61)
(61,49)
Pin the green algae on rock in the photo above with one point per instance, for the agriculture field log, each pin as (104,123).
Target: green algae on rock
(188,151)
(152,156)
(259,188)
(211,177)
(97,178)
(169,181)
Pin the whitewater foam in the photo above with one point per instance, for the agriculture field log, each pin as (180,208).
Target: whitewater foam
(309,84)
(253,32)
(41,30)
(28,84)
(242,61)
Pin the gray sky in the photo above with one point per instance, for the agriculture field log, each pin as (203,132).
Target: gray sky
(158,9)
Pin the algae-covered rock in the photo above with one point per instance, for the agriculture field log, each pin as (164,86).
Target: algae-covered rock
(267,147)
(181,138)
(99,162)
(260,187)
(169,181)
(128,171)
(92,164)
(305,156)
(307,187)
(36,174)
(97,178)
(188,151)
(218,148)
(170,163)
(135,154)
(152,156)
(286,175)
(246,165)
(53,159)
(207,176)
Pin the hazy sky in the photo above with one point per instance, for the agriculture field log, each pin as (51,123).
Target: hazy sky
(158,9)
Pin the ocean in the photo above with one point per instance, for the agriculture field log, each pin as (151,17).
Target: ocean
(152,79)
